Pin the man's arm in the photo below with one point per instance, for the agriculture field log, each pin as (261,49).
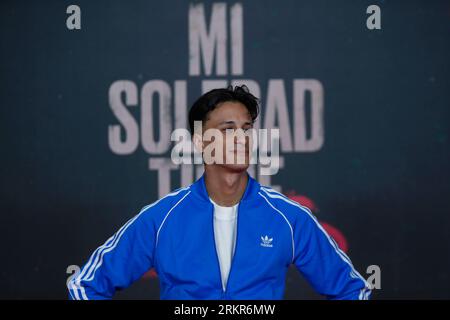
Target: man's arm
(120,261)
(323,264)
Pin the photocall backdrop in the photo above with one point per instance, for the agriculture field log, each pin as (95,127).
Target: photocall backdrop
(90,95)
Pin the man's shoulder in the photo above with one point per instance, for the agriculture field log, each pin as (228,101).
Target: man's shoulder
(166,203)
(291,209)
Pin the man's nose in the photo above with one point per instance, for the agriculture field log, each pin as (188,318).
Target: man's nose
(240,137)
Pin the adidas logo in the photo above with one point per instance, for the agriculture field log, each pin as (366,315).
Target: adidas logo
(266,242)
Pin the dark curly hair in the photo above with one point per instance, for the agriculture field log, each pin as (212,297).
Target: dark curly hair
(210,100)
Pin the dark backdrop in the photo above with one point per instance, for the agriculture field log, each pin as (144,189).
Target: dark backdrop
(380,176)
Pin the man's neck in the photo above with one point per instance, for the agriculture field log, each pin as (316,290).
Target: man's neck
(224,187)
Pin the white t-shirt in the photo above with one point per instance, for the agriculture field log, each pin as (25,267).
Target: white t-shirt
(225,224)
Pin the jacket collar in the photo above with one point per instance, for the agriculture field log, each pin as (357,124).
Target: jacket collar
(251,190)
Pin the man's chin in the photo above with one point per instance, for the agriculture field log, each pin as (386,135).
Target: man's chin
(235,167)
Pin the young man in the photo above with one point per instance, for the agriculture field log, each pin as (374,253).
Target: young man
(225,236)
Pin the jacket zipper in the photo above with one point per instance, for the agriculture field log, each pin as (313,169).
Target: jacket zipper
(234,253)
(215,249)
(235,247)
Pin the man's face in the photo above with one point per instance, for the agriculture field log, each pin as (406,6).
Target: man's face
(235,117)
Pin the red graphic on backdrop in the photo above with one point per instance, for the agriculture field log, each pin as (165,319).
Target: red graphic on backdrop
(334,232)
(150,274)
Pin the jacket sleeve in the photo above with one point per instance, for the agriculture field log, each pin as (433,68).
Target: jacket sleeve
(323,264)
(120,261)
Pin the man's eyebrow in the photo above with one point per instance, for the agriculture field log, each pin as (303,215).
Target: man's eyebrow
(232,122)
(227,122)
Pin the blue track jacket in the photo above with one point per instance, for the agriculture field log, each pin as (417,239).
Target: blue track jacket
(175,235)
